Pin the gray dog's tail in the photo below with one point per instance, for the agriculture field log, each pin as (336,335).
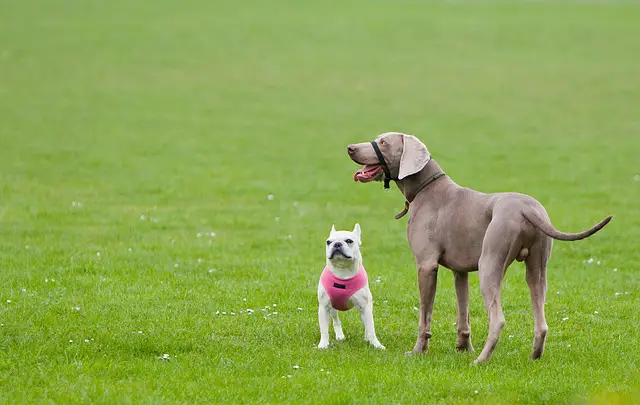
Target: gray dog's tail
(545,226)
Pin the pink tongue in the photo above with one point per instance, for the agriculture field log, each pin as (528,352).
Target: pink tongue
(364,173)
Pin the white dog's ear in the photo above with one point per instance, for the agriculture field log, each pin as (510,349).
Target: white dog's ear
(333,229)
(356,231)
(415,156)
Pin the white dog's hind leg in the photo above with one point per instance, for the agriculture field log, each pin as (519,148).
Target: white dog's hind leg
(337,325)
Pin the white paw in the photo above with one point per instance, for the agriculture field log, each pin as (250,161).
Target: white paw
(340,336)
(323,345)
(377,345)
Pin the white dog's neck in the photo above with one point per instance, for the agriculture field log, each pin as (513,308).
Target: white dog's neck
(345,268)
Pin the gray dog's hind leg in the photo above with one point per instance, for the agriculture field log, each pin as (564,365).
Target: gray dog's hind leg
(499,249)
(537,281)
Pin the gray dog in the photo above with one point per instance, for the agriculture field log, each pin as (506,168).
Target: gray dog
(464,230)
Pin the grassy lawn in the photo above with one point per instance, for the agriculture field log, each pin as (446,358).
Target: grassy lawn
(140,140)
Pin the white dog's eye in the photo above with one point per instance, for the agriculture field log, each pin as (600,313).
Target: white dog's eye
(328,242)
(349,241)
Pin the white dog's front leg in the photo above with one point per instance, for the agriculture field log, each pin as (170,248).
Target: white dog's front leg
(323,319)
(369,328)
(337,325)
(364,302)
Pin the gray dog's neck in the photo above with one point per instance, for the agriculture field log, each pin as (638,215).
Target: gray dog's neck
(415,184)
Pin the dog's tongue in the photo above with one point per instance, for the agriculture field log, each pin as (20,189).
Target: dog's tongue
(366,173)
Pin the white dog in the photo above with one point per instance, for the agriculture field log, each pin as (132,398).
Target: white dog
(343,285)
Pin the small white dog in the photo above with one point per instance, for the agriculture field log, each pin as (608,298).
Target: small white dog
(343,285)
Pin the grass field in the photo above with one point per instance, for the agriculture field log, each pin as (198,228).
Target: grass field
(132,130)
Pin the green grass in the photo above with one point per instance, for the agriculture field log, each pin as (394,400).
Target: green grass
(191,113)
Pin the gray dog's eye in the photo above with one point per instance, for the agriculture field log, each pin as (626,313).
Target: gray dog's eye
(349,241)
(328,242)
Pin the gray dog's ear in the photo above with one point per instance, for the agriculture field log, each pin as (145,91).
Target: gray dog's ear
(356,231)
(415,156)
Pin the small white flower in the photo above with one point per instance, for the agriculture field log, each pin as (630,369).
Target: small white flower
(615,270)
(595,312)
(299,309)
(24,290)
(46,280)
(378,281)
(296,367)
(275,313)
(70,341)
(139,332)
(568,345)
(250,311)
(213,234)
(328,372)
(130,249)
(510,336)
(176,265)
(288,375)
(86,340)
(565,319)
(558,293)
(212,270)
(475,392)
(270,197)
(199,260)
(224,313)
(590,260)
(618,294)
(289,236)
(164,357)
(199,235)
(274,305)
(26,246)
(1,325)
(8,301)
(98,254)
(217,312)
(142,218)
(277,219)
(244,299)
(598,262)
(415,308)
(233,313)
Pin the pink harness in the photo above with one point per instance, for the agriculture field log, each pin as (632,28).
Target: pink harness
(341,289)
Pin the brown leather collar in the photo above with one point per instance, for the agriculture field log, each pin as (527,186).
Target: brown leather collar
(412,196)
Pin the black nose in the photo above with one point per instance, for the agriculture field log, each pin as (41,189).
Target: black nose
(351,149)
(337,245)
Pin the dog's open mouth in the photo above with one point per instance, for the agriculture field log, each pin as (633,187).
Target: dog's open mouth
(368,173)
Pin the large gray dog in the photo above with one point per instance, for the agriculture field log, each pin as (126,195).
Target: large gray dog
(464,230)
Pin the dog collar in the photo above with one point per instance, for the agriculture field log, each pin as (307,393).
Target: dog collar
(413,196)
(383,163)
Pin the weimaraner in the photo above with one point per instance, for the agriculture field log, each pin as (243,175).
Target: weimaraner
(464,230)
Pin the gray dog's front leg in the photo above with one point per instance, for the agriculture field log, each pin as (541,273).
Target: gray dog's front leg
(427,280)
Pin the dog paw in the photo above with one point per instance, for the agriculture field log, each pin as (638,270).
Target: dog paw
(323,345)
(412,353)
(340,336)
(378,345)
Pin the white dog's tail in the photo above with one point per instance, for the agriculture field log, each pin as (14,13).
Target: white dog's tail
(548,229)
